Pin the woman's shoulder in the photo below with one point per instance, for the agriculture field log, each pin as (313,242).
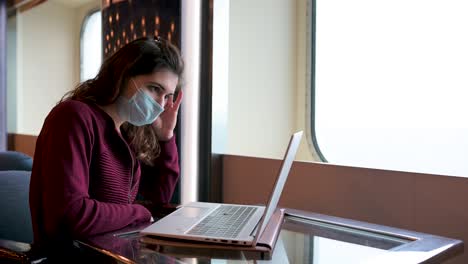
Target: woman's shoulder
(73,109)
(73,105)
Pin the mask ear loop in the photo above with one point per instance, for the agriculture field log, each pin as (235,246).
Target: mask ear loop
(136,86)
(134,83)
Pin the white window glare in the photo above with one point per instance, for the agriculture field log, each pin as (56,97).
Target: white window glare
(91,46)
(392,84)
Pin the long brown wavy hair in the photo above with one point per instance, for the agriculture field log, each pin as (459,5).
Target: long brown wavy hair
(139,57)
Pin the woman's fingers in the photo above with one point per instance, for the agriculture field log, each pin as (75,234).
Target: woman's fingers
(178,100)
(170,102)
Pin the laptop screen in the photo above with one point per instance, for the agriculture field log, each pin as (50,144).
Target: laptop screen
(280,181)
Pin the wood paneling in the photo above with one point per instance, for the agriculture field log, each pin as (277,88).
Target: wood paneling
(23,5)
(425,203)
(22,143)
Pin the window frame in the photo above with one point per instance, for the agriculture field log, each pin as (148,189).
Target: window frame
(82,29)
(310,89)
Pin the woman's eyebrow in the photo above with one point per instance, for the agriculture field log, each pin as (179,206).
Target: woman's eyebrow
(158,84)
(161,86)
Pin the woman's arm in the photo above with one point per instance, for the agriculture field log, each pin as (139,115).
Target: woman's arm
(159,181)
(61,177)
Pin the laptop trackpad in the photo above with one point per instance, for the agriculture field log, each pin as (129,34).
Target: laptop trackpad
(186,217)
(191,212)
(179,221)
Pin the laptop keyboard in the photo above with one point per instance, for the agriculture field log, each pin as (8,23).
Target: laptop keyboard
(225,221)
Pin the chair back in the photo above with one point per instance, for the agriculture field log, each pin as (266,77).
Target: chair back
(15,217)
(13,160)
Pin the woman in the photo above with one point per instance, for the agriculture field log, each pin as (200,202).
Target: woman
(107,140)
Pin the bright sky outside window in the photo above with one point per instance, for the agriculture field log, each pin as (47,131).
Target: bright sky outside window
(392,84)
(91,46)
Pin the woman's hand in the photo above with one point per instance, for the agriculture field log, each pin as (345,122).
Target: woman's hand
(166,122)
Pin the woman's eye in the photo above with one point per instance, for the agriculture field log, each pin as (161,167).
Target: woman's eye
(153,88)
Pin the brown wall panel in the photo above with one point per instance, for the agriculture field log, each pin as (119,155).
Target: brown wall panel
(22,143)
(420,202)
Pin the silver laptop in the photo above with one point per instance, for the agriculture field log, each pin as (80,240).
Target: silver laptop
(225,223)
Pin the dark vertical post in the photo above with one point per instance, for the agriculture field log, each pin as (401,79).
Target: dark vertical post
(3,101)
(209,179)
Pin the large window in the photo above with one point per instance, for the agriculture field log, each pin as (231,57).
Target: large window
(391,84)
(91,46)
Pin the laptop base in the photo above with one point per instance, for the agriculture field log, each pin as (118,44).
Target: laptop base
(188,248)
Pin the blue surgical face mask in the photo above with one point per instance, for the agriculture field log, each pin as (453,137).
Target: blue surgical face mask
(139,110)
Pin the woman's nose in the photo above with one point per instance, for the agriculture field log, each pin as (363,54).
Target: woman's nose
(160,101)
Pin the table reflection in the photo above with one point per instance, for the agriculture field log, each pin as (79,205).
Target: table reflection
(304,238)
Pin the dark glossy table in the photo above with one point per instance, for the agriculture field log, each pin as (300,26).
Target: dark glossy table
(305,238)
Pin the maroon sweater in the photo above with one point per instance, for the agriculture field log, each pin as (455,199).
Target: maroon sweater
(85,177)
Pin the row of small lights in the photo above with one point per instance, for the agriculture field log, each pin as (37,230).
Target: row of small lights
(125,36)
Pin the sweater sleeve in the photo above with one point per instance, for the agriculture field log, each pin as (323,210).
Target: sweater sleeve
(64,154)
(158,182)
